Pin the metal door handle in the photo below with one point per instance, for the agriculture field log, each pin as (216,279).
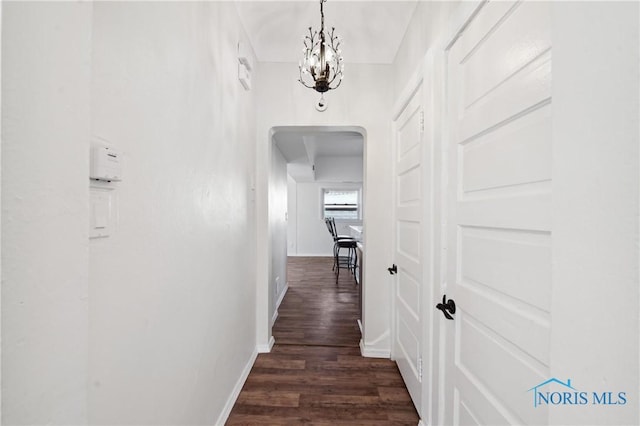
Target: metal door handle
(393,270)
(447,307)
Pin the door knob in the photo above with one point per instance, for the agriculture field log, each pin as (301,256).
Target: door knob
(393,270)
(447,307)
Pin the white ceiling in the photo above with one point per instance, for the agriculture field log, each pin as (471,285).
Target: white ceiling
(301,148)
(304,146)
(371,30)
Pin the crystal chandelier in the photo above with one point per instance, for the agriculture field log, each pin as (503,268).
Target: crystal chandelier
(321,67)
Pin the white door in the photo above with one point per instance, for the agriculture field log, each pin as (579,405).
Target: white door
(410,249)
(499,215)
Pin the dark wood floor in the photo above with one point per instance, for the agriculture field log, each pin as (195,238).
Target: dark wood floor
(315,374)
(315,310)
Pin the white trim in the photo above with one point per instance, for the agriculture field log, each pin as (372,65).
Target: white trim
(462,17)
(369,352)
(282,294)
(228,406)
(265,349)
(422,423)
(1,191)
(280,299)
(414,83)
(407,93)
(263,253)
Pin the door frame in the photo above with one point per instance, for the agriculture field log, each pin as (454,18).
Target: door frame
(425,78)
(415,81)
(431,73)
(264,254)
(414,90)
(463,16)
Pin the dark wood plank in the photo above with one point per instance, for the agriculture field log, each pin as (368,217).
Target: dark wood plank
(270,398)
(317,311)
(315,374)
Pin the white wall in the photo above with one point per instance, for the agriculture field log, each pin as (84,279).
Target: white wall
(172,296)
(311,235)
(0,208)
(292,218)
(595,299)
(428,22)
(278,228)
(364,101)
(308,234)
(339,169)
(45,165)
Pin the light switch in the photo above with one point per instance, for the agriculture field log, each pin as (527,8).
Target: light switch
(101,220)
(244,76)
(100,214)
(244,55)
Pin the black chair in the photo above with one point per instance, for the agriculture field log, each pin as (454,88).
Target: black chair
(342,242)
(331,226)
(348,261)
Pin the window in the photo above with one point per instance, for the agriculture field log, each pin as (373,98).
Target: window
(341,204)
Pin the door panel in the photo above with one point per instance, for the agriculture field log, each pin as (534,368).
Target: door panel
(499,215)
(516,145)
(494,59)
(483,358)
(409,293)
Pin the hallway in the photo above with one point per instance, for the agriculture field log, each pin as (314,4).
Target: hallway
(148,209)
(314,373)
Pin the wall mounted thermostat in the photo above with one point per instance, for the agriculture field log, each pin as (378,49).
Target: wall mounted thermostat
(106,164)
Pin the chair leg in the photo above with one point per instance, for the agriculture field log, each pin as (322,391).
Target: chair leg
(355,264)
(348,260)
(337,262)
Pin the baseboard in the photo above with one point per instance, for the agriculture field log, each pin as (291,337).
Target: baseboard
(421,423)
(282,294)
(265,349)
(228,406)
(311,255)
(278,302)
(369,352)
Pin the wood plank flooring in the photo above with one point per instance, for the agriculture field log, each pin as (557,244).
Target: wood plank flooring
(315,374)
(315,310)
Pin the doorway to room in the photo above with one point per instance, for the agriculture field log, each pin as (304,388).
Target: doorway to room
(317,175)
(315,362)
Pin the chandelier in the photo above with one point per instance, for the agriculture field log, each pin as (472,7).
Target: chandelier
(321,67)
